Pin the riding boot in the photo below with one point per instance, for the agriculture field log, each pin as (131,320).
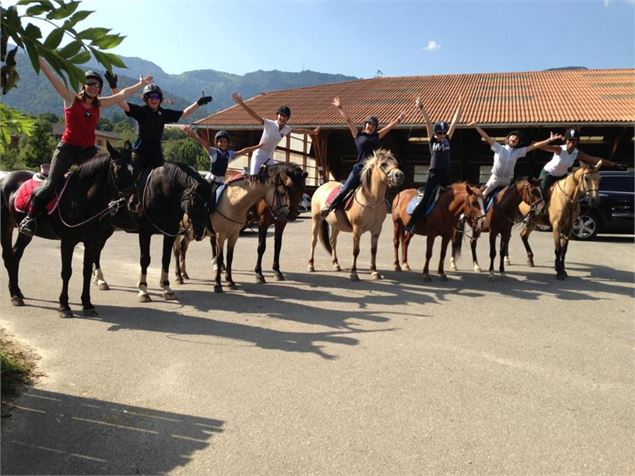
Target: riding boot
(28,225)
(334,204)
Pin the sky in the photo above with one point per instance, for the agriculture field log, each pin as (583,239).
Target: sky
(367,38)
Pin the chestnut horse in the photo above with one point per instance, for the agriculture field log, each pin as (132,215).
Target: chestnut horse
(501,217)
(366,213)
(442,221)
(563,208)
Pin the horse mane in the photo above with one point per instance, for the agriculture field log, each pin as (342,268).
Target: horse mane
(178,172)
(92,166)
(378,158)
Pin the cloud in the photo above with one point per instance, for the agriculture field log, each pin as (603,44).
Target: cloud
(432,46)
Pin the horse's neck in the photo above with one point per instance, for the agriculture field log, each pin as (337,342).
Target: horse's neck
(376,192)
(243,195)
(572,187)
(511,198)
(91,187)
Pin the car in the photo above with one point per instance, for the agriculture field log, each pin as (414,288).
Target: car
(305,204)
(612,212)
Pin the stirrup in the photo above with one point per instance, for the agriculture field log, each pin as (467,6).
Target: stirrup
(325,212)
(28,226)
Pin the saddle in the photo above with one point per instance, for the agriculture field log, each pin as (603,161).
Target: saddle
(491,198)
(416,200)
(24,193)
(348,199)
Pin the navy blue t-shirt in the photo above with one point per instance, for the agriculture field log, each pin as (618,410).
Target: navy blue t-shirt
(151,124)
(366,144)
(440,156)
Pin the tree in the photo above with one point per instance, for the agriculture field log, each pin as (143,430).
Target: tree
(64,17)
(186,151)
(14,124)
(38,148)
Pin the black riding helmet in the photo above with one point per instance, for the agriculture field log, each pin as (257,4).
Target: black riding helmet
(221,135)
(441,126)
(151,89)
(94,75)
(372,120)
(284,110)
(572,134)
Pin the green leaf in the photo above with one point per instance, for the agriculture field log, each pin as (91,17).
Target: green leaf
(71,49)
(108,42)
(36,10)
(76,18)
(27,2)
(32,32)
(92,33)
(115,60)
(65,10)
(54,39)
(32,50)
(80,58)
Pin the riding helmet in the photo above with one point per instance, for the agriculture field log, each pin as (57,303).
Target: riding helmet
(150,89)
(94,75)
(221,135)
(284,110)
(372,120)
(572,134)
(441,126)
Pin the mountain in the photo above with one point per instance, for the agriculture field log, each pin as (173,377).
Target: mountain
(35,95)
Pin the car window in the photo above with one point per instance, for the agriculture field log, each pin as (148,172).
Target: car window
(616,184)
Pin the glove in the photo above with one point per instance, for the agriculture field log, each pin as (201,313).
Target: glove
(111,78)
(204,100)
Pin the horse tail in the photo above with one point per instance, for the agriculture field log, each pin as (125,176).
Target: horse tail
(457,240)
(324,236)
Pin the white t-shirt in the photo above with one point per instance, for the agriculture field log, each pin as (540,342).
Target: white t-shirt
(271,136)
(505,158)
(561,162)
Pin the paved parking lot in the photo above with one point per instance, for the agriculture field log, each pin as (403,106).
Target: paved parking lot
(526,375)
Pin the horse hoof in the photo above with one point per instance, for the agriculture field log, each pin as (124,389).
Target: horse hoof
(354,277)
(145,298)
(453,267)
(336,267)
(186,276)
(170,296)
(90,312)
(491,277)
(376,275)
(65,313)
(218,289)
(178,280)
(396,268)
(427,277)
(232,286)
(530,263)
(310,268)
(506,261)
(503,276)
(280,277)
(17,301)
(405,267)
(560,277)
(103,286)
(477,268)
(260,278)
(443,277)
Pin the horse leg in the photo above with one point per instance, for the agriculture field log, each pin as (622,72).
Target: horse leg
(67,270)
(11,263)
(228,266)
(560,251)
(176,249)
(524,236)
(277,248)
(185,244)
(426,268)
(20,245)
(144,261)
(334,262)
(397,234)
(473,242)
(505,234)
(87,271)
(374,238)
(262,246)
(356,236)
(218,265)
(316,222)
(492,253)
(405,242)
(168,294)
(445,241)
(98,275)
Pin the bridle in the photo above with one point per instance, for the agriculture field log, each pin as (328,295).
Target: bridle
(281,200)
(386,175)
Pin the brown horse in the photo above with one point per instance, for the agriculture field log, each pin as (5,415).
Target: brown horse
(456,199)
(265,217)
(501,217)
(366,213)
(563,208)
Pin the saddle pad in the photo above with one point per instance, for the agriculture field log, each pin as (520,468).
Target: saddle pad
(491,198)
(23,196)
(219,192)
(348,200)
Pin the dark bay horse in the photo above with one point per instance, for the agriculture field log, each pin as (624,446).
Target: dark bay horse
(171,191)
(563,208)
(442,221)
(97,188)
(501,217)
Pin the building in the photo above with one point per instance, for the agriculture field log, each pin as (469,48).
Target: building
(101,137)
(599,102)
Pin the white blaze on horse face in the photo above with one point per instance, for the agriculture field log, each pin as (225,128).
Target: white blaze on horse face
(130,169)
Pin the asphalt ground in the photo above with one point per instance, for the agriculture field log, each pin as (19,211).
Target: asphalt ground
(320,375)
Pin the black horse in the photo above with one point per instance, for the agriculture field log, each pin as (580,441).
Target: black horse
(96,189)
(170,191)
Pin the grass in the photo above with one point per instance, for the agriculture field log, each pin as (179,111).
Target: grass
(17,369)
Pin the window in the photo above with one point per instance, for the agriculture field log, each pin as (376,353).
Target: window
(421,173)
(484,171)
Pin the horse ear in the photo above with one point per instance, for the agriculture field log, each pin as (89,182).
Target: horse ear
(469,189)
(127,146)
(305,174)
(111,149)
(598,165)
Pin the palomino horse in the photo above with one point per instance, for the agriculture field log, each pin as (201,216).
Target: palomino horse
(230,215)
(97,188)
(501,217)
(366,213)
(266,216)
(456,199)
(563,208)
(171,191)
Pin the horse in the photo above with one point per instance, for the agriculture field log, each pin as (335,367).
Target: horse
(458,198)
(563,208)
(230,215)
(501,216)
(265,217)
(366,212)
(172,190)
(96,189)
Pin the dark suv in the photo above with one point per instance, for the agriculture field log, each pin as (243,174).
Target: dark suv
(613,212)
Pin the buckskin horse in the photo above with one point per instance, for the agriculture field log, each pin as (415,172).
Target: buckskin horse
(367,211)
(171,191)
(501,217)
(563,208)
(442,221)
(95,189)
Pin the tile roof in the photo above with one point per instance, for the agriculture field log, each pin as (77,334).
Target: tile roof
(600,96)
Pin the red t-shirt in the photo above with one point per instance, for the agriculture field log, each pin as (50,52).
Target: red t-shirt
(81,123)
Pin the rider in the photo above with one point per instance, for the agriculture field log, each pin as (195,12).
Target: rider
(563,158)
(440,163)
(505,156)
(81,113)
(219,156)
(366,142)
(272,133)
(151,117)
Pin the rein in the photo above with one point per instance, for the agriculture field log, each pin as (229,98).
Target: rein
(381,202)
